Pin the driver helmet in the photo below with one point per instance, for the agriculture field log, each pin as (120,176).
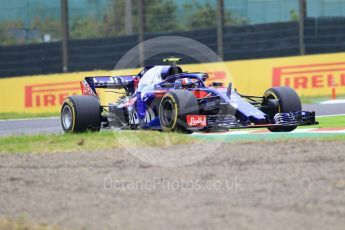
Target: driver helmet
(184,83)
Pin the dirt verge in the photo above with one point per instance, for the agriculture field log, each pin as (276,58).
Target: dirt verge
(269,185)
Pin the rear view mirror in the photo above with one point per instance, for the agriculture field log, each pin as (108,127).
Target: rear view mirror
(204,77)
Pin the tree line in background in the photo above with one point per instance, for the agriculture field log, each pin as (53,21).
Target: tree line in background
(160,16)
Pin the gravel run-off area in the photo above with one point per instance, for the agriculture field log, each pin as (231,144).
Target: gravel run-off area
(295,184)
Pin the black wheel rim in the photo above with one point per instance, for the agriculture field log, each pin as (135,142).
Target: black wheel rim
(167,112)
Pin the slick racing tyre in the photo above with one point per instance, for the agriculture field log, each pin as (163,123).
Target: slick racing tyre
(80,114)
(173,109)
(287,101)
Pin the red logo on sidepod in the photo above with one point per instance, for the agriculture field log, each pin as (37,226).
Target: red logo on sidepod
(196,120)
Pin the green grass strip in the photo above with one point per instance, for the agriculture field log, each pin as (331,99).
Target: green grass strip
(90,141)
(329,122)
(136,139)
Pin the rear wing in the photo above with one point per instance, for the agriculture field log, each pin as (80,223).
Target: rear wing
(90,84)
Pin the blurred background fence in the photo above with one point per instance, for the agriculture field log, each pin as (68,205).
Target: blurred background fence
(99,32)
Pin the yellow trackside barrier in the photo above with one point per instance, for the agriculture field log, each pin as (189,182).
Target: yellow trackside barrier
(311,75)
(40,94)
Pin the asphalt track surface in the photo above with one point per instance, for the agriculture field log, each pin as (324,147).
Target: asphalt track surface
(52,125)
(30,126)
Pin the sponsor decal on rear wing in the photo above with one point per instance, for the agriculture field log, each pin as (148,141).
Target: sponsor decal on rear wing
(108,81)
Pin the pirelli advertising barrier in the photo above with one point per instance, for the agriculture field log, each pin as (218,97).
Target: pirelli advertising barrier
(312,75)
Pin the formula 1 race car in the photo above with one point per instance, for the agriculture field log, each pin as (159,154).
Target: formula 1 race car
(169,99)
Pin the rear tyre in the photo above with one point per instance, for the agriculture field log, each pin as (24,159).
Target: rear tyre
(287,101)
(81,114)
(173,109)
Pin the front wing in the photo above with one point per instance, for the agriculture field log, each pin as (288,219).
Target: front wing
(226,122)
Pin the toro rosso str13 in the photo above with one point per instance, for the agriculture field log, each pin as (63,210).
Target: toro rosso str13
(169,99)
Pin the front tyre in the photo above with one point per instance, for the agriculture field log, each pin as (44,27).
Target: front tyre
(81,114)
(287,101)
(173,109)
